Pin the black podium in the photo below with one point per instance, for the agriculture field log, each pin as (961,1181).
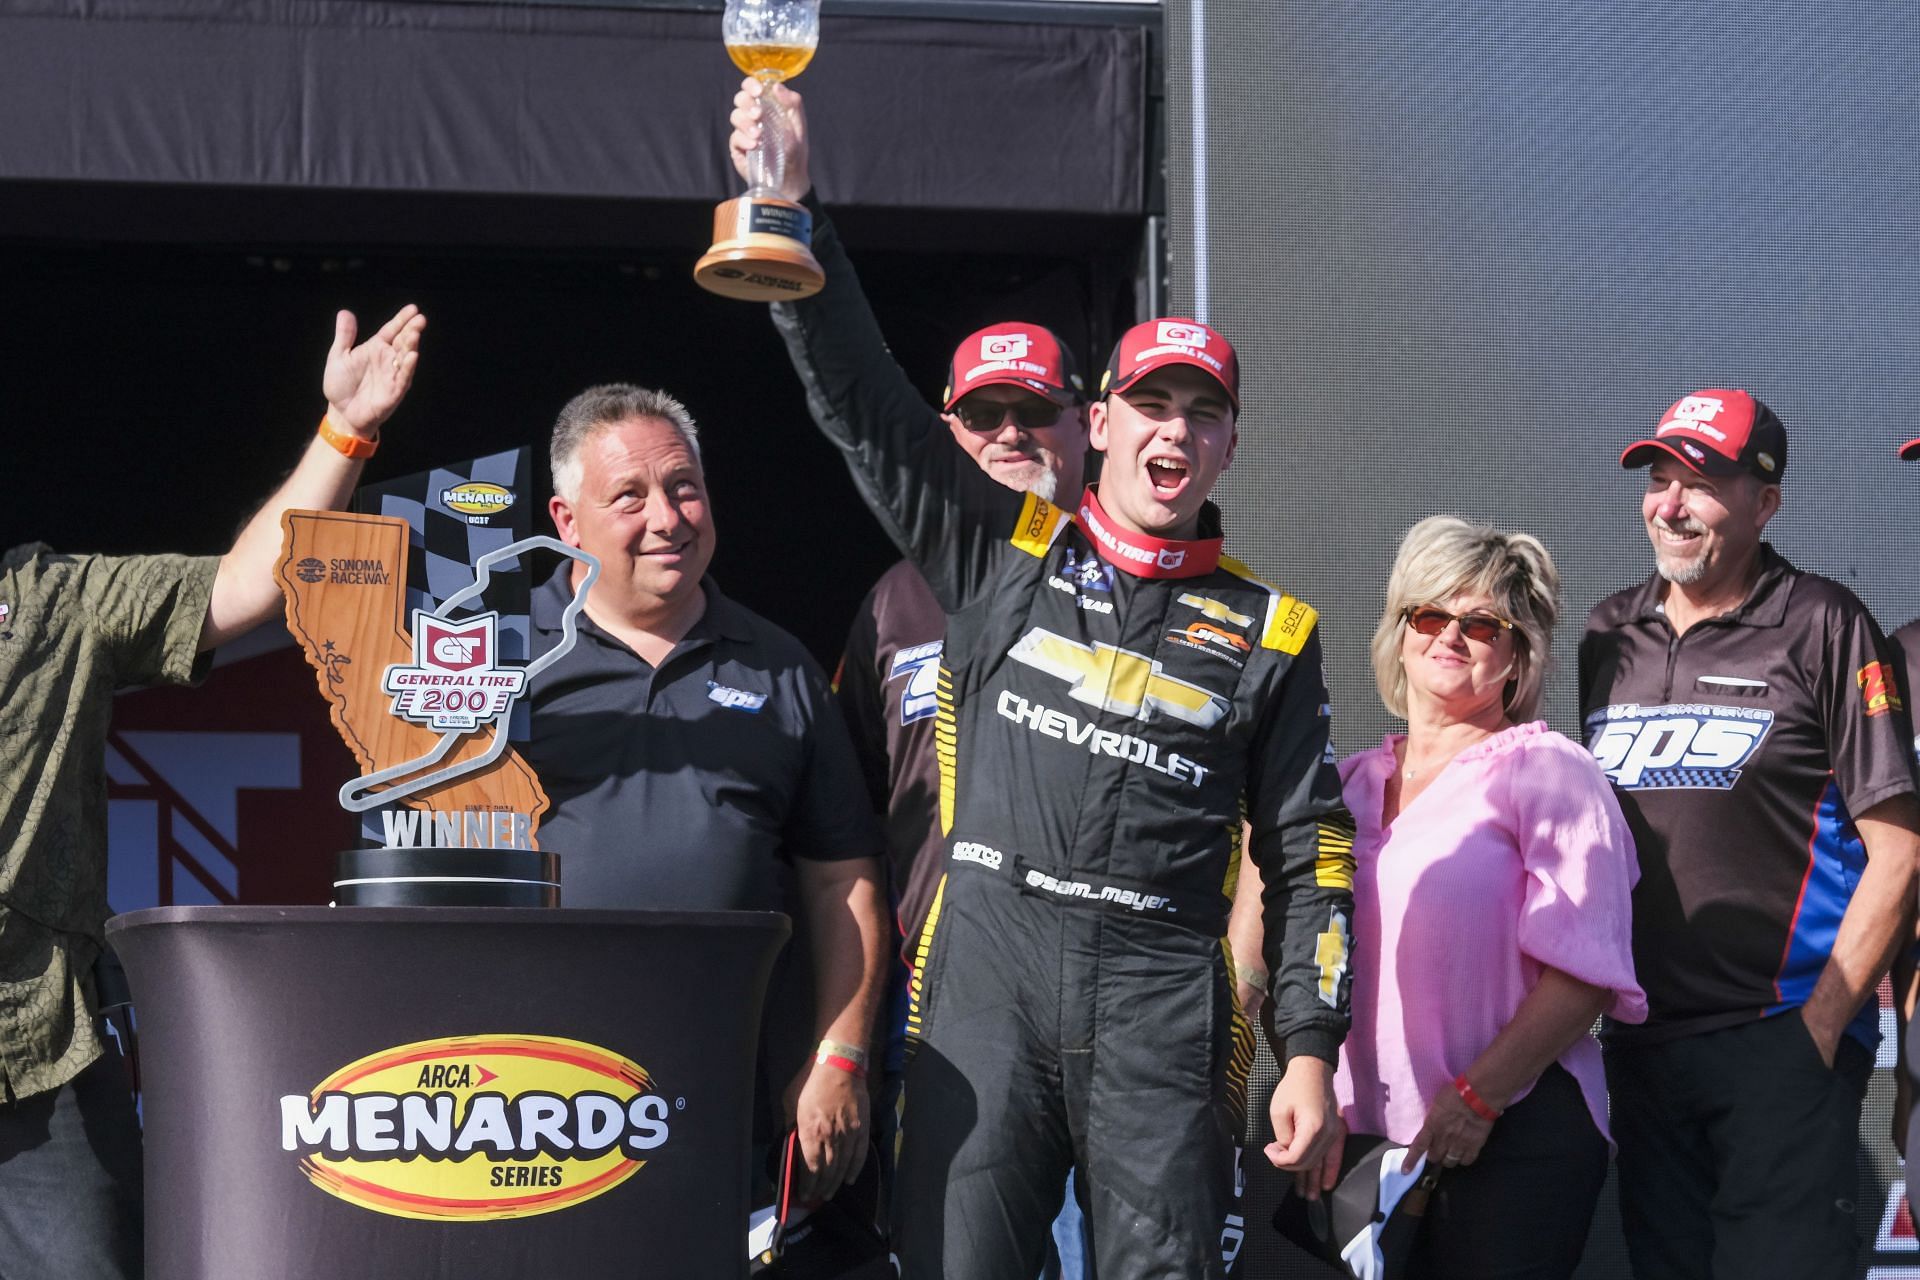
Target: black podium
(426,1094)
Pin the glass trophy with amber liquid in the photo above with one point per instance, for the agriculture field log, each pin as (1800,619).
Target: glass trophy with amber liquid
(760,240)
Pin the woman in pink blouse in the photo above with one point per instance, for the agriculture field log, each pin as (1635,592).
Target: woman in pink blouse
(1491,902)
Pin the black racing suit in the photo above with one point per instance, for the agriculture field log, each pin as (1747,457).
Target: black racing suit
(1100,737)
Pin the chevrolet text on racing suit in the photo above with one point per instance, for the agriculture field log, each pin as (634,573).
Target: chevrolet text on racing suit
(1109,706)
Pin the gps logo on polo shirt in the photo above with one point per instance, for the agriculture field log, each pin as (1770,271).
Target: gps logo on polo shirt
(735,699)
(920,664)
(1680,746)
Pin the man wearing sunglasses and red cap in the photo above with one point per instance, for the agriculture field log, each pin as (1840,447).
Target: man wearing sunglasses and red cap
(1751,722)
(1115,695)
(1017,406)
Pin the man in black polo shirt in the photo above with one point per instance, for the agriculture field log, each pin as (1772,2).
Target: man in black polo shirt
(1747,714)
(691,752)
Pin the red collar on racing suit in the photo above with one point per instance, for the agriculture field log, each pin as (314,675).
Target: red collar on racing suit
(1142,556)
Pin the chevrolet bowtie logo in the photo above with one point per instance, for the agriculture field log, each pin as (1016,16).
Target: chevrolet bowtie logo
(1214,609)
(1118,680)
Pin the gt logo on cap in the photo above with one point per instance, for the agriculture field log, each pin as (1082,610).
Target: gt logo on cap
(1174,333)
(1693,414)
(1707,407)
(1004,346)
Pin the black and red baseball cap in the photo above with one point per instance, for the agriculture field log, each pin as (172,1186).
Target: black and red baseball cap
(1015,354)
(1910,450)
(1717,432)
(1168,341)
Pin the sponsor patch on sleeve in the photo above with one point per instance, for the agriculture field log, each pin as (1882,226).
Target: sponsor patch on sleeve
(1330,958)
(1039,522)
(1289,625)
(1877,689)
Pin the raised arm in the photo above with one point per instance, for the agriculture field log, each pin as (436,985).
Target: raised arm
(946,516)
(363,384)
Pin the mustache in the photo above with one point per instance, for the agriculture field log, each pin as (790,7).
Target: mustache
(1689,525)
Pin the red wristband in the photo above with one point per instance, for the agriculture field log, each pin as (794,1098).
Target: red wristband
(847,1065)
(1474,1100)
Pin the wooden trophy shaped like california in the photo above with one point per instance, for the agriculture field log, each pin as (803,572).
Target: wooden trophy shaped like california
(762,242)
(424,707)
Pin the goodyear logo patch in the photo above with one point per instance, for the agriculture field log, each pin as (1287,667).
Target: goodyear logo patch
(477,1128)
(478,500)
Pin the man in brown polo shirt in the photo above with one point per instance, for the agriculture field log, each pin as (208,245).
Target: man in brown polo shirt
(73,629)
(1750,720)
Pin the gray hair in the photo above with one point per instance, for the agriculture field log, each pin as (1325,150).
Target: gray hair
(601,406)
(1445,556)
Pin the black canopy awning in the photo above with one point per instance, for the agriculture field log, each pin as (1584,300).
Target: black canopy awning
(607,103)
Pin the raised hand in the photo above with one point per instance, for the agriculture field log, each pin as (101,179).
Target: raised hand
(364,384)
(789,137)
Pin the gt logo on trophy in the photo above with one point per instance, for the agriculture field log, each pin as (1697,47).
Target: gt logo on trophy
(425,702)
(453,683)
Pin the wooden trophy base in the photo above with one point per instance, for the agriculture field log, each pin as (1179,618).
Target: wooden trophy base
(760,252)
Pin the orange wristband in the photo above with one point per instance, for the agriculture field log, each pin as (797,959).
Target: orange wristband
(353,446)
(1474,1101)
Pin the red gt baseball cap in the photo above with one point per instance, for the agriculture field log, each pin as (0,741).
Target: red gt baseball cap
(1029,356)
(1167,341)
(1717,432)
(1910,450)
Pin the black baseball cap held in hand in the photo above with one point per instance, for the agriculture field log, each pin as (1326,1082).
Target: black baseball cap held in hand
(1717,432)
(1367,1223)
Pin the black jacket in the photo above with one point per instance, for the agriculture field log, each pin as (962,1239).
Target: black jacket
(1101,735)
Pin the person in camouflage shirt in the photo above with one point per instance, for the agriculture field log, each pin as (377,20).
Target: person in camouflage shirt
(73,630)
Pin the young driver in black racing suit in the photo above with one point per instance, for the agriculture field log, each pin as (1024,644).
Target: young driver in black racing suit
(1115,695)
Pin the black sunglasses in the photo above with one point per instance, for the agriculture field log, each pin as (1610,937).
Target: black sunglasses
(1430,620)
(1031,412)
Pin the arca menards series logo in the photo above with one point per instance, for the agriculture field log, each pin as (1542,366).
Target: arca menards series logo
(1679,746)
(478,501)
(477,1128)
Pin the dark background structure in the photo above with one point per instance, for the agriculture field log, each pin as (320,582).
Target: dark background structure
(1466,251)
(1469,252)
(190,189)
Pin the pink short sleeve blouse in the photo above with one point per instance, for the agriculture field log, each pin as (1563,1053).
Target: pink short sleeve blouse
(1514,858)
